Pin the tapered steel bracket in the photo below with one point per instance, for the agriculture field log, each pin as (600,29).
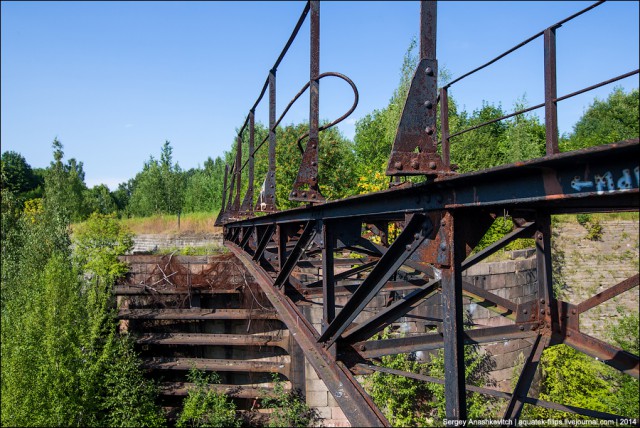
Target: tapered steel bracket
(415,147)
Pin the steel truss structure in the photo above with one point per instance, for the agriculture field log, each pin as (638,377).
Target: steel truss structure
(439,222)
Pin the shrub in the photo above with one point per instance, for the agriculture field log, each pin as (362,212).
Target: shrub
(205,407)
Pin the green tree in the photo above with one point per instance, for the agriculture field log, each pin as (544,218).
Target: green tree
(159,187)
(99,199)
(65,187)
(605,122)
(17,175)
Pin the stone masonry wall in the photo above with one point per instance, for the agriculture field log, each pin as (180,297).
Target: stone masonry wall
(153,242)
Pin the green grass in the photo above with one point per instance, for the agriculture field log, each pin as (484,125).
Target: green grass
(571,218)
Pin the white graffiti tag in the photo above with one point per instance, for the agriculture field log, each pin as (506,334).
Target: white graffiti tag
(603,181)
(577,184)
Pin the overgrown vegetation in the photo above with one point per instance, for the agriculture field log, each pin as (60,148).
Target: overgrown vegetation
(410,402)
(63,363)
(289,409)
(573,378)
(204,406)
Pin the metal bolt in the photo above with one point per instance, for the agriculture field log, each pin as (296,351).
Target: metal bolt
(443,246)
(294,194)
(542,311)
(429,71)
(415,164)
(313,146)
(429,130)
(532,328)
(521,328)
(313,196)
(304,194)
(525,312)
(416,236)
(443,223)
(569,334)
(542,301)
(398,165)
(363,348)
(408,247)
(314,163)
(428,104)
(314,178)
(271,186)
(432,165)
(573,311)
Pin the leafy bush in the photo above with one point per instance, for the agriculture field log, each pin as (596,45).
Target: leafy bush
(410,402)
(289,409)
(205,407)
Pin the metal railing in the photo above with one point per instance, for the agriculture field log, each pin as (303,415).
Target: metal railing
(551,98)
(308,173)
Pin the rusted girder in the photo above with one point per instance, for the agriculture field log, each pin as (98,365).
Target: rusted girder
(350,396)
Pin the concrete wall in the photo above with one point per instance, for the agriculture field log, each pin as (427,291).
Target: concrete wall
(154,242)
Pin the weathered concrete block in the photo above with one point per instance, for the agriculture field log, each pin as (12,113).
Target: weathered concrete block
(495,282)
(337,413)
(500,267)
(478,270)
(317,398)
(316,385)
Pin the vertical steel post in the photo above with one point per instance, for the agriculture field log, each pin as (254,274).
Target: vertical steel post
(270,182)
(428,21)
(314,71)
(224,188)
(236,201)
(247,202)
(231,186)
(550,91)
(305,187)
(415,146)
(328,280)
(444,126)
(452,325)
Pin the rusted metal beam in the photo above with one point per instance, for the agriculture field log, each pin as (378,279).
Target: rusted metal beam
(306,187)
(518,232)
(297,252)
(414,233)
(550,91)
(196,314)
(247,203)
(386,316)
(218,365)
(497,394)
(350,396)
(210,339)
(607,294)
(235,391)
(611,355)
(525,379)
(541,183)
(426,342)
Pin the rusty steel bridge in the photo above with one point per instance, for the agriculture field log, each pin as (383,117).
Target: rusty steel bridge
(441,220)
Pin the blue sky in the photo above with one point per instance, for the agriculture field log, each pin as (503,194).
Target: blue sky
(114,80)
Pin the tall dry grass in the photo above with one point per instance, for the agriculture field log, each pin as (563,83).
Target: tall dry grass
(191,223)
